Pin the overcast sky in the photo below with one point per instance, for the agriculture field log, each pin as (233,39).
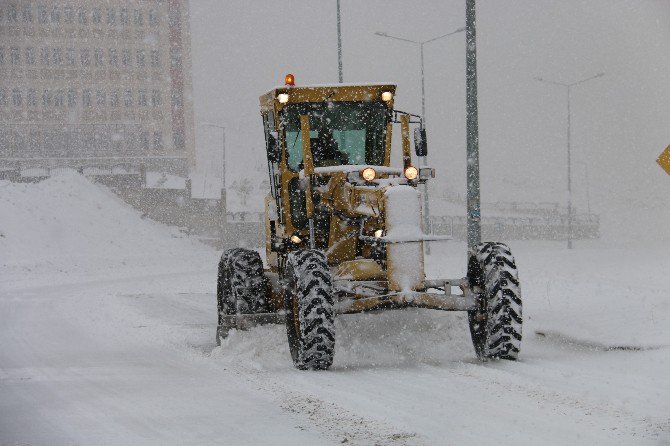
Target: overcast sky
(620,121)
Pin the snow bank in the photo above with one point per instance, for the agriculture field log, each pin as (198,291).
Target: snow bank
(68,224)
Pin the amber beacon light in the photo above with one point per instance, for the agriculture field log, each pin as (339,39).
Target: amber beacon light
(289,80)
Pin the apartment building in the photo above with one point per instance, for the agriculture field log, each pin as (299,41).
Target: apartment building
(100,86)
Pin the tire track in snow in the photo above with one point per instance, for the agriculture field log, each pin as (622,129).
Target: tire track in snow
(332,421)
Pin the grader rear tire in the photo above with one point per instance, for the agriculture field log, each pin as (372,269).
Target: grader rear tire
(241,287)
(308,298)
(496,325)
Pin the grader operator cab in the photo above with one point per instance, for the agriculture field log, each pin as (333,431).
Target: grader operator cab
(344,234)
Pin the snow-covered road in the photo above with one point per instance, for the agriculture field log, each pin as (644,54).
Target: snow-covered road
(119,348)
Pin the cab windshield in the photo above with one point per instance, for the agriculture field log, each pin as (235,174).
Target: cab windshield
(340,133)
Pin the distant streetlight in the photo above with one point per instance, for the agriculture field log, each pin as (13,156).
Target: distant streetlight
(223,150)
(568,87)
(421,43)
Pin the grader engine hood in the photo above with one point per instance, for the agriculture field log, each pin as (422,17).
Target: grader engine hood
(404,247)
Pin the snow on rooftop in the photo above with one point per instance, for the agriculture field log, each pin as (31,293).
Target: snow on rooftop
(349,84)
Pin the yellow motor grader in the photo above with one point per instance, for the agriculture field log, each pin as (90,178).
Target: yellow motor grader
(344,234)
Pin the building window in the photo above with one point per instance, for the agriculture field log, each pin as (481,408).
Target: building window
(27,14)
(128,98)
(85,55)
(96,16)
(44,56)
(113,57)
(34,139)
(3,96)
(114,98)
(86,98)
(69,56)
(125,57)
(46,98)
(42,14)
(124,16)
(12,14)
(158,140)
(71,98)
(68,12)
(140,58)
(30,55)
(17,99)
(156,99)
(59,98)
(175,58)
(100,98)
(155,58)
(144,140)
(31,97)
(153,17)
(177,98)
(111,16)
(138,17)
(142,98)
(14,57)
(99,61)
(58,56)
(55,14)
(82,16)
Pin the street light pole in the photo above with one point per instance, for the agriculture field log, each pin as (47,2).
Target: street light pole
(424,161)
(474,228)
(339,44)
(588,186)
(423,88)
(421,43)
(222,192)
(569,99)
(223,151)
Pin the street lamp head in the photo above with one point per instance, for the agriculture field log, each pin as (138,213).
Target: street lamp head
(460,30)
(381,33)
(600,75)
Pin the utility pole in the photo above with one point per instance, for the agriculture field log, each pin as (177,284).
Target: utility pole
(339,44)
(473,202)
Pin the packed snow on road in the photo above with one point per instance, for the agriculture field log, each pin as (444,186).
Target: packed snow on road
(108,324)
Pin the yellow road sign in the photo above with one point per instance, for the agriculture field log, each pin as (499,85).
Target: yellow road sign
(664,160)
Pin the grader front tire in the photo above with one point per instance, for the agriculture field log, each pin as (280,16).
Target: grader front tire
(496,324)
(310,324)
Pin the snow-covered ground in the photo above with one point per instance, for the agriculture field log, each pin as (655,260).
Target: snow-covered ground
(107,337)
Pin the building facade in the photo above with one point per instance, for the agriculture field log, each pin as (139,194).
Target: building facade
(100,86)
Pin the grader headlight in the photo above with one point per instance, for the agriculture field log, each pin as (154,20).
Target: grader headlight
(411,173)
(387,96)
(295,239)
(282,98)
(379,233)
(368,174)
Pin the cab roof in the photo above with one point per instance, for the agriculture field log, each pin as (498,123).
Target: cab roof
(323,93)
